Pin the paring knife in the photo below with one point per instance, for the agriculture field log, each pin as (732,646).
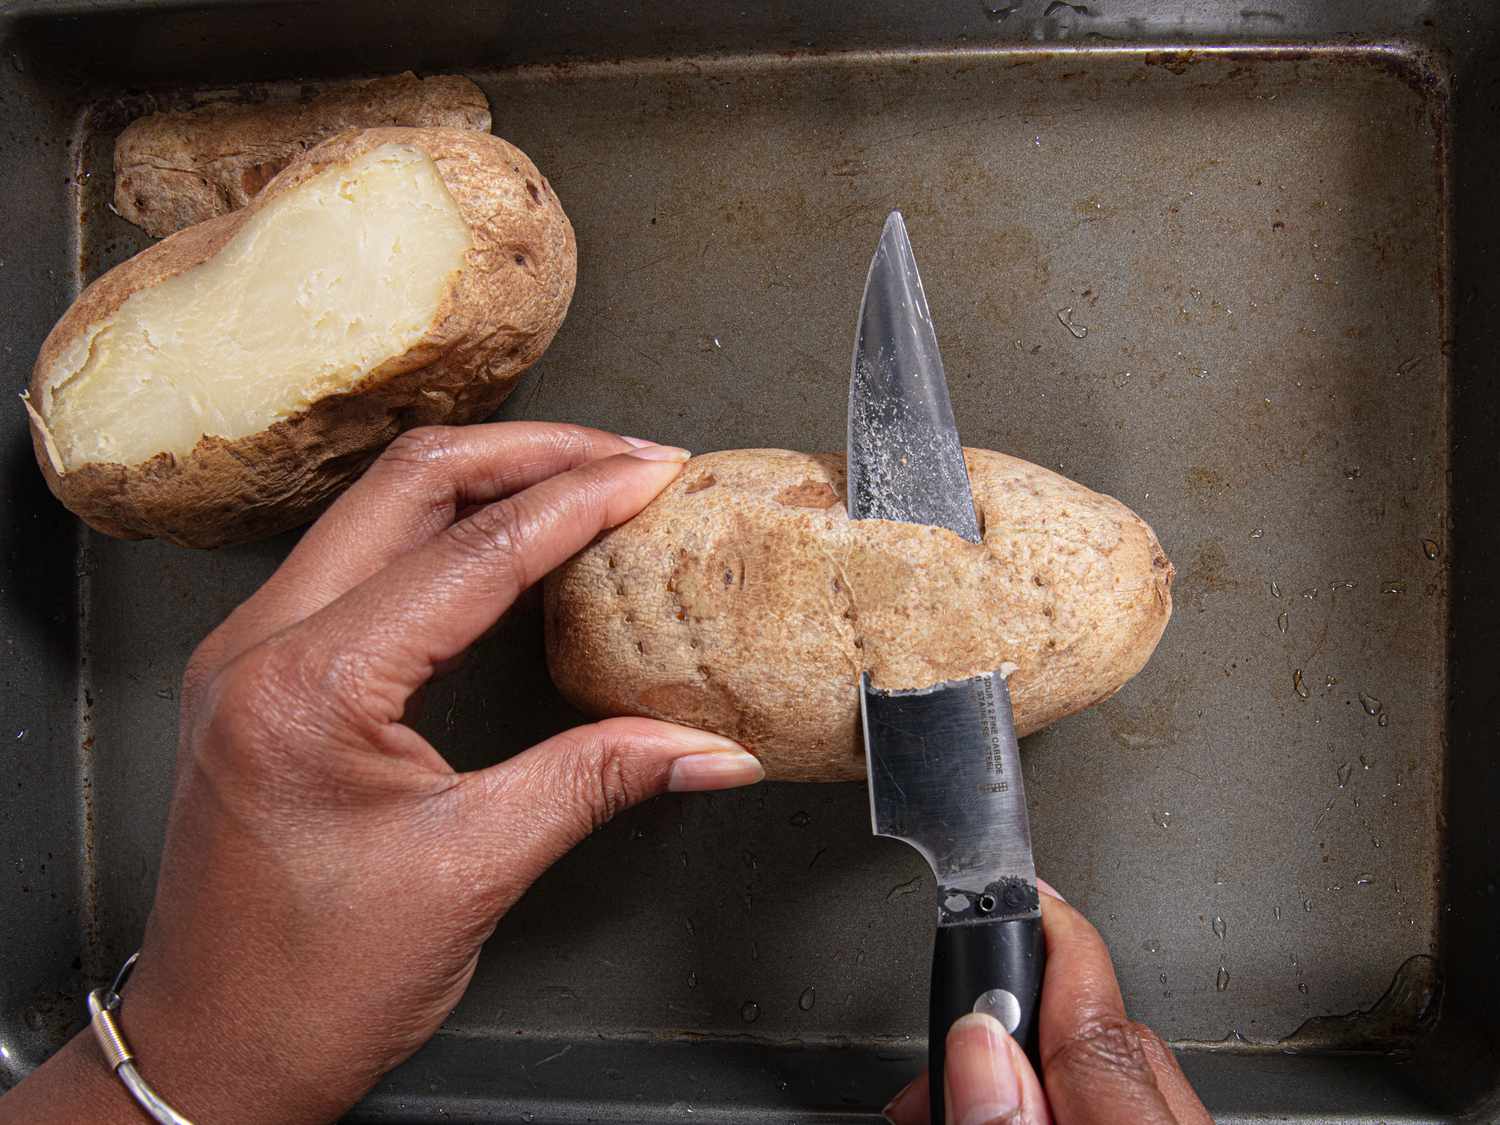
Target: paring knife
(944,769)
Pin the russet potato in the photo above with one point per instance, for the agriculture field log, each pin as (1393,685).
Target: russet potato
(178,168)
(743,600)
(229,381)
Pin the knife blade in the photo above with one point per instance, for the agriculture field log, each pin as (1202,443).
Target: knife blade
(905,460)
(943,766)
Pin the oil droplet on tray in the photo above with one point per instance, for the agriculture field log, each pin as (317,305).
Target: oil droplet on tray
(1257,533)
(1307,905)
(1344,771)
(1275,588)
(1364,880)
(799,820)
(1220,927)
(1298,686)
(1369,703)
(750,1011)
(1065,318)
(1281,622)
(1161,819)
(808,998)
(692,981)
(1430,548)
(1221,982)
(1302,987)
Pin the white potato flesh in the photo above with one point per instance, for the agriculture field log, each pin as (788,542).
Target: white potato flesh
(316,289)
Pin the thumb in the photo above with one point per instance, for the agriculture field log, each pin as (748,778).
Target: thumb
(529,811)
(987,1079)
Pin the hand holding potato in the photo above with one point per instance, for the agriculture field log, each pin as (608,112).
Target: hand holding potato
(328,879)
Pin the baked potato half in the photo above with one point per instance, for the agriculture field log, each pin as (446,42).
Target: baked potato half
(228,382)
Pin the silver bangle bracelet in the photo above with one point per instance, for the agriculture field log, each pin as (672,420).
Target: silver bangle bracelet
(103,1004)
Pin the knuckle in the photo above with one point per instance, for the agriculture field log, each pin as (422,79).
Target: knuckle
(419,447)
(496,534)
(202,669)
(1151,1043)
(1158,1055)
(419,459)
(269,704)
(335,689)
(1104,1045)
(570,443)
(601,781)
(246,708)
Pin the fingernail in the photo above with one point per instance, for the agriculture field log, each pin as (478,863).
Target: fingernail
(660,453)
(895,1110)
(980,1080)
(639,443)
(1043,885)
(718,769)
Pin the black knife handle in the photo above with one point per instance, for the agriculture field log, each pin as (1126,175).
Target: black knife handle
(971,960)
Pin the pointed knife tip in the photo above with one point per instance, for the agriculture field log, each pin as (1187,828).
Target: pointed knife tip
(893,237)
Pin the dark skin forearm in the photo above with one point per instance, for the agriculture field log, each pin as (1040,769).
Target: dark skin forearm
(73,1085)
(302,795)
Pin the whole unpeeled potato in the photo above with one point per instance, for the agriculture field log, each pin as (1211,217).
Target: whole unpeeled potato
(229,381)
(743,600)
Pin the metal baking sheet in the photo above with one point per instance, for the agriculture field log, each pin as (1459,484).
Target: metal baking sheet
(1213,267)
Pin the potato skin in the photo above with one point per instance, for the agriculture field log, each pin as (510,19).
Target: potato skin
(496,320)
(173,170)
(743,600)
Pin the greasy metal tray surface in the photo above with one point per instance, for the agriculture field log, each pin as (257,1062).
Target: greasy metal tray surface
(1216,283)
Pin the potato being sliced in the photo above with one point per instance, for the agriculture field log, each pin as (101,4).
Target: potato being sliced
(744,601)
(229,381)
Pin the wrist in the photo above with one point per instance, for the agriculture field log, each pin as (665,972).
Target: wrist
(74,1085)
(193,1062)
(215,1057)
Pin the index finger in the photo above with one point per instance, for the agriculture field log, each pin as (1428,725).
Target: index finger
(1095,1064)
(382,640)
(423,481)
